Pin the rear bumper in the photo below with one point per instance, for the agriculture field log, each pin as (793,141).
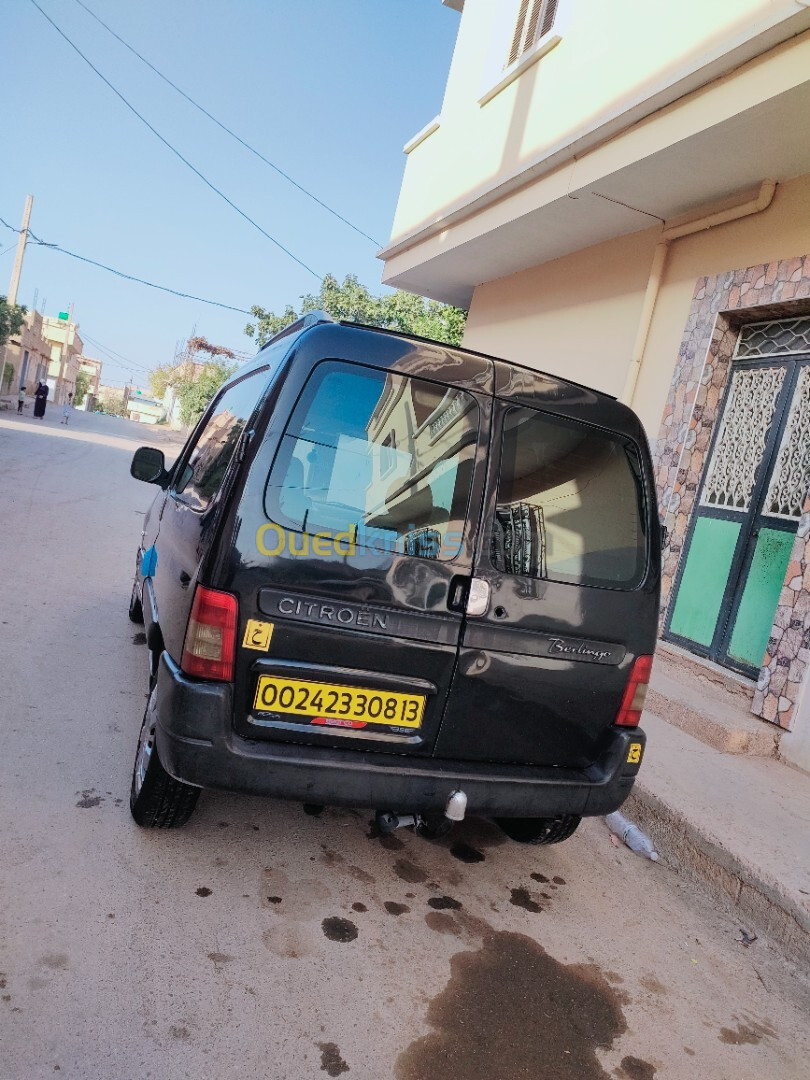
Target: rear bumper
(197,745)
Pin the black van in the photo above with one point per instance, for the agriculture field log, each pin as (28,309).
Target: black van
(388,573)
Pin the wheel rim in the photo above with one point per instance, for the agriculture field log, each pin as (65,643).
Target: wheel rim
(146,746)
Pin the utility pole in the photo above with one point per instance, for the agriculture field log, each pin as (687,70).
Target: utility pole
(18,258)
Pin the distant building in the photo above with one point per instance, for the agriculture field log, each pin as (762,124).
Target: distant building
(145,410)
(25,358)
(92,369)
(66,347)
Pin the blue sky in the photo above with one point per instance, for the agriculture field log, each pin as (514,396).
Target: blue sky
(330,90)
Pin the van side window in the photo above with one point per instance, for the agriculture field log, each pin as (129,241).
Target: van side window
(570,503)
(376,459)
(211,455)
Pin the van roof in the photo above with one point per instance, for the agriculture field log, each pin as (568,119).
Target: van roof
(319,317)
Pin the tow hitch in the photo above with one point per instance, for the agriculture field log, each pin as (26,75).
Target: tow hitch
(431,825)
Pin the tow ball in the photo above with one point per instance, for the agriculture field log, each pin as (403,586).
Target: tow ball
(432,825)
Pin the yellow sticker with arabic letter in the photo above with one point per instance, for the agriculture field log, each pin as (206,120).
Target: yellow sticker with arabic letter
(257,635)
(634,753)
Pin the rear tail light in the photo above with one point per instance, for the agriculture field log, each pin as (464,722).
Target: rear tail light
(635,692)
(211,635)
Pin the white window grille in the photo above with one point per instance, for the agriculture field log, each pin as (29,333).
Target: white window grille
(535,18)
(737,455)
(791,476)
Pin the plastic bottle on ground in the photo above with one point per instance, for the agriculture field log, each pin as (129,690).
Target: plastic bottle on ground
(631,834)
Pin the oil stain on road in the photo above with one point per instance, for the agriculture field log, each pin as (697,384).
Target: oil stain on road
(512,1012)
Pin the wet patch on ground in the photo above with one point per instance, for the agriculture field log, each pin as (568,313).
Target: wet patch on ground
(506,1012)
(338,929)
(444,903)
(521,898)
(203,891)
(331,1061)
(634,1068)
(359,907)
(443,923)
(409,871)
(650,983)
(396,909)
(361,875)
(746,1034)
(88,799)
(139,638)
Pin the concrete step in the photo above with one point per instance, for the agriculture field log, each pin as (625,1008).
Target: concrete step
(709,703)
(735,826)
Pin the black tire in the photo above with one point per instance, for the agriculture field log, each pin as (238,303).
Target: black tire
(540,830)
(135,607)
(157,800)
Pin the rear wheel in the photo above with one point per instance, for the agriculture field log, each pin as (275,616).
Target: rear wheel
(157,800)
(135,606)
(540,830)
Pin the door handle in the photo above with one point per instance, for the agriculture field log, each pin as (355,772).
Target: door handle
(457,593)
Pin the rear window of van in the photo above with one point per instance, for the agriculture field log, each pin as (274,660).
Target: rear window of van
(570,503)
(378,459)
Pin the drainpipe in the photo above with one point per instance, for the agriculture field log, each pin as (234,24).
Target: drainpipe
(721,217)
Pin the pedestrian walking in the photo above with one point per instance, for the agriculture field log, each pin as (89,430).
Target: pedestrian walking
(40,400)
(67,409)
(20,399)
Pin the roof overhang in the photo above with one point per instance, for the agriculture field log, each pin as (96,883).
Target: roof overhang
(701,150)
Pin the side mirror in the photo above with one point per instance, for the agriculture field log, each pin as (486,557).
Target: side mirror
(149,465)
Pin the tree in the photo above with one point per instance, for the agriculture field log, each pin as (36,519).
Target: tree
(194,394)
(160,378)
(82,386)
(12,317)
(353,302)
(195,382)
(113,406)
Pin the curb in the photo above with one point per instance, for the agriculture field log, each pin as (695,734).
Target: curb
(760,902)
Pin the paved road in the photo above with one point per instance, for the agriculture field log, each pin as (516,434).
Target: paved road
(261,943)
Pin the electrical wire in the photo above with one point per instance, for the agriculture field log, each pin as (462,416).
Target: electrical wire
(225,127)
(174,150)
(114,358)
(127,277)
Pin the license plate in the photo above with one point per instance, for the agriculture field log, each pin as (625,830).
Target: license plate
(334,705)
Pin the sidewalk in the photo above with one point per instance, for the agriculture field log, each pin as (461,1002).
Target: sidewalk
(738,825)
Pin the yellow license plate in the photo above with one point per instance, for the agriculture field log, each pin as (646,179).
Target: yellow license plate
(333,705)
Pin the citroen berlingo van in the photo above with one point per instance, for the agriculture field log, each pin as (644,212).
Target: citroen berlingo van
(388,573)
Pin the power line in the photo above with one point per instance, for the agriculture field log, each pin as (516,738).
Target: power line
(175,151)
(114,358)
(225,127)
(127,277)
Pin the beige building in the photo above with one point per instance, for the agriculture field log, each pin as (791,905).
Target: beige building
(620,194)
(66,347)
(92,369)
(25,358)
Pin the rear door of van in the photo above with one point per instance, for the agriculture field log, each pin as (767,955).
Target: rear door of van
(354,539)
(567,575)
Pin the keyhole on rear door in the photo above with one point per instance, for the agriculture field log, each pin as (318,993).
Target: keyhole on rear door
(500,612)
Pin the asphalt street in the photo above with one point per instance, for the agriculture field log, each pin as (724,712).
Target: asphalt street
(258,942)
